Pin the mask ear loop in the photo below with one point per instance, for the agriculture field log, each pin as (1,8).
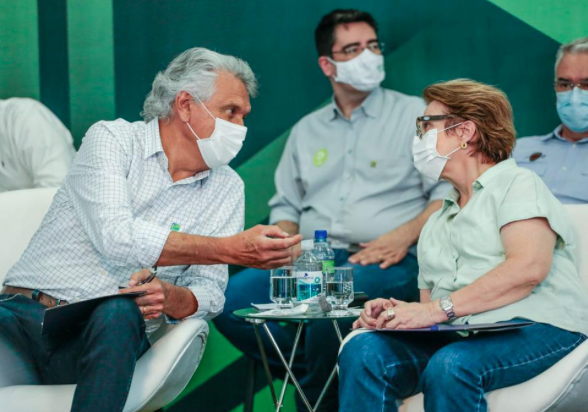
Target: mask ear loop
(205,108)
(192,130)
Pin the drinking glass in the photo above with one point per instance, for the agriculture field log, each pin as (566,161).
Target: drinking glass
(340,289)
(283,287)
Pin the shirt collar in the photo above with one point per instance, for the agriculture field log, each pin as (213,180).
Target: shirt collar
(556,134)
(483,180)
(152,139)
(371,106)
(494,171)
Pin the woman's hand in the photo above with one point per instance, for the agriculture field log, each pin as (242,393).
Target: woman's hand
(409,316)
(372,309)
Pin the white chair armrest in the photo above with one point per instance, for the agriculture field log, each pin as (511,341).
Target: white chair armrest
(167,367)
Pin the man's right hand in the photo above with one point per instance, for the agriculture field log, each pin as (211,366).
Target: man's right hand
(263,247)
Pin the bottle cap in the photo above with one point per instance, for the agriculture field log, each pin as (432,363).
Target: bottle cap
(308,244)
(320,234)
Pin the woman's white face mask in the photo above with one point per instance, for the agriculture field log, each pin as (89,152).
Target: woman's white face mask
(427,159)
(223,144)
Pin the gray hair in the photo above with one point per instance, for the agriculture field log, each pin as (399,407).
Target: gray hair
(577,46)
(195,72)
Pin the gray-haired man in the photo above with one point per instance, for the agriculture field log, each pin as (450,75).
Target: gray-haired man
(559,157)
(141,194)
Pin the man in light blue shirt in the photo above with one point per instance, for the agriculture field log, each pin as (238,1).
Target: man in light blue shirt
(346,168)
(560,157)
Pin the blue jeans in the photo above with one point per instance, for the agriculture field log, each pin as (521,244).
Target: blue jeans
(454,373)
(317,352)
(100,357)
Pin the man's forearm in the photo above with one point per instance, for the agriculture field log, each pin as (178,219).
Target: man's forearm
(412,229)
(185,249)
(288,226)
(179,302)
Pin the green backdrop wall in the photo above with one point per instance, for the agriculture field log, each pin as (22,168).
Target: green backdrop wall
(95,59)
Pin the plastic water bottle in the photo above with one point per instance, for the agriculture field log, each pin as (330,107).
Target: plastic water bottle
(309,276)
(323,253)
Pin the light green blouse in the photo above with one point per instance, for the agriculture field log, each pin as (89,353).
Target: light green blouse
(458,246)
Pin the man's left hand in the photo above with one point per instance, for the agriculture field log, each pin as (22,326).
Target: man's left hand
(151,304)
(387,250)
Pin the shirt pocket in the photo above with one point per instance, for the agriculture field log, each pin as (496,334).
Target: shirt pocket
(539,166)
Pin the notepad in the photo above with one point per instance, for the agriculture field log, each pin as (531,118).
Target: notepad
(61,319)
(480,327)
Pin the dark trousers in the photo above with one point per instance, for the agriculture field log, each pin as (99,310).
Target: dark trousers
(100,357)
(317,352)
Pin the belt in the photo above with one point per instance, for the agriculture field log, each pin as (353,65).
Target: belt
(35,295)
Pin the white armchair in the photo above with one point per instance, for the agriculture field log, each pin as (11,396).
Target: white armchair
(161,373)
(564,386)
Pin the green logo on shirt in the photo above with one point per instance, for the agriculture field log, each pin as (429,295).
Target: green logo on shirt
(174,227)
(320,157)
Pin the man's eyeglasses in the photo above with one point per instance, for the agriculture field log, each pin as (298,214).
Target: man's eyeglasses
(566,85)
(353,50)
(424,122)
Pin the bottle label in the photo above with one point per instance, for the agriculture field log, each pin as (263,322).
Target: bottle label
(328,266)
(309,284)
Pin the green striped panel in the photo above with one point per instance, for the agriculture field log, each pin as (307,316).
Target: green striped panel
(91,63)
(19,49)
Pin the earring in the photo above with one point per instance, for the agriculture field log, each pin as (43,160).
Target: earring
(464,145)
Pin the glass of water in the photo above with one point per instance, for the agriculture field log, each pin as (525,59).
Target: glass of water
(283,287)
(340,289)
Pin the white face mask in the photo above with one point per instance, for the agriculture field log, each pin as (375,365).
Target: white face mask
(364,72)
(223,144)
(427,159)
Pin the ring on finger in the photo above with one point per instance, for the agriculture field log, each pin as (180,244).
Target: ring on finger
(143,310)
(390,313)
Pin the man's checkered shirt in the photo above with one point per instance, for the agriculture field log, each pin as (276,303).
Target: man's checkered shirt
(114,212)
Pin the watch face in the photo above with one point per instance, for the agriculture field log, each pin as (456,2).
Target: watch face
(445,303)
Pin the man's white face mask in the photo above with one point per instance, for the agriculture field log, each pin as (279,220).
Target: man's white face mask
(427,159)
(223,144)
(364,72)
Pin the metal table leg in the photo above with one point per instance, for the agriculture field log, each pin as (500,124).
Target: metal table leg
(294,347)
(335,369)
(294,380)
(268,374)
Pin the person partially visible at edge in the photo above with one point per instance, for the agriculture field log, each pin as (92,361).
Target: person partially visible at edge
(346,168)
(159,193)
(36,149)
(561,157)
(500,249)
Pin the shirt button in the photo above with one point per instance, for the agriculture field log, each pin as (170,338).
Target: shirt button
(564,168)
(104,273)
(350,151)
(341,198)
(149,219)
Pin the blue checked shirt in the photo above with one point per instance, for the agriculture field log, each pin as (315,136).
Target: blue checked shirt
(114,212)
(562,165)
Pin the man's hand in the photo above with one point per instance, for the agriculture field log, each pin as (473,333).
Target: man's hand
(388,249)
(153,303)
(263,247)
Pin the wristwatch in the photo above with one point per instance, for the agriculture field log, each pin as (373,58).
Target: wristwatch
(447,305)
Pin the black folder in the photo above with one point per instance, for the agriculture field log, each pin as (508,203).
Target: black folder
(68,317)
(480,327)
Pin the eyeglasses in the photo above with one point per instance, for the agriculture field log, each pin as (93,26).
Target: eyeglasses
(566,85)
(424,122)
(353,50)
